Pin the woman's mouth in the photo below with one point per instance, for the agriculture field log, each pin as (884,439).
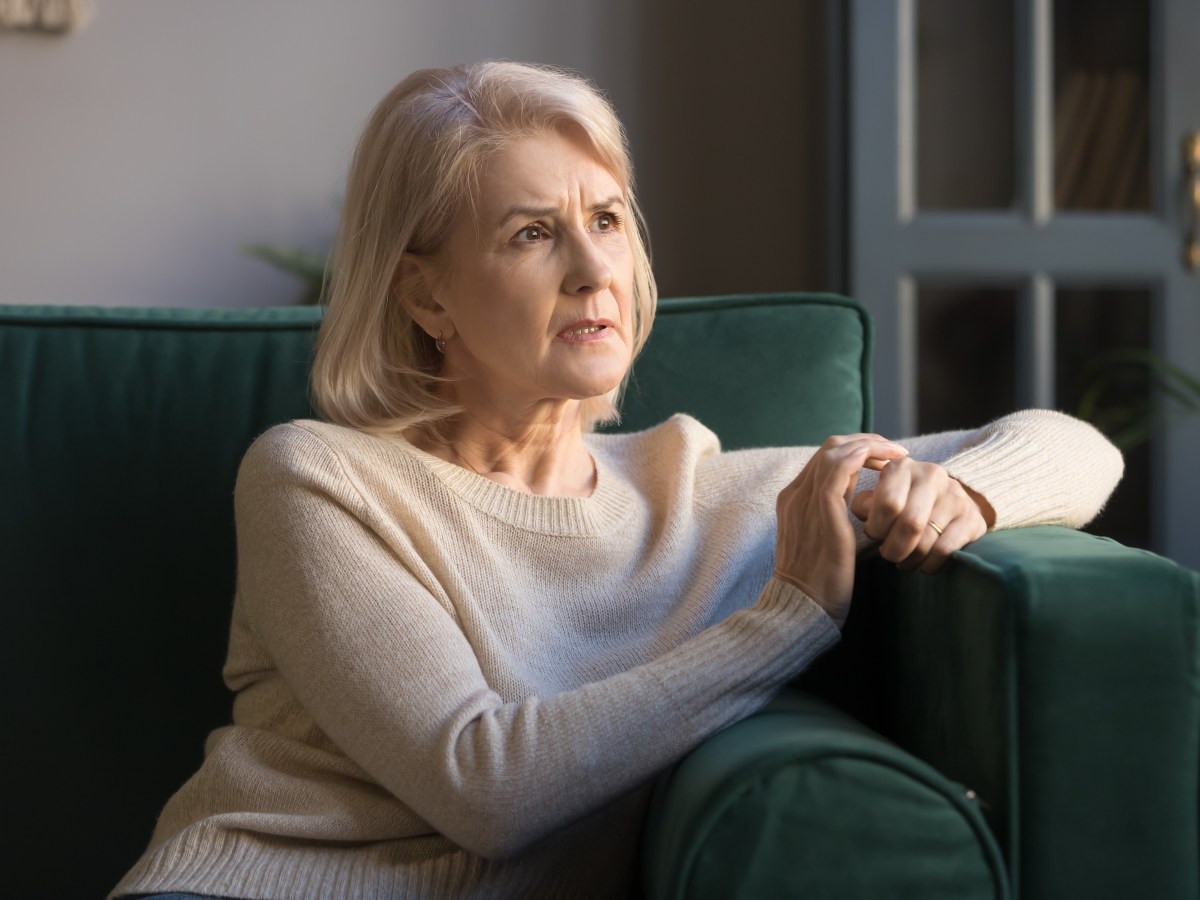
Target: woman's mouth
(585,331)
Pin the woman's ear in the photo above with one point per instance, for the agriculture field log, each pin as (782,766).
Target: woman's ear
(415,287)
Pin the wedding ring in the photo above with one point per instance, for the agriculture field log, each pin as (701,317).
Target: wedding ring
(935,526)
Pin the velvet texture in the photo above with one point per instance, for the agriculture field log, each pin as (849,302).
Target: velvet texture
(803,801)
(1057,674)
(120,436)
(759,370)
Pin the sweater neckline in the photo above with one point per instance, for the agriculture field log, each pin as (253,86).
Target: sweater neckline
(606,509)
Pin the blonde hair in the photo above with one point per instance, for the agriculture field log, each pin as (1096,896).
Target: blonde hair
(417,163)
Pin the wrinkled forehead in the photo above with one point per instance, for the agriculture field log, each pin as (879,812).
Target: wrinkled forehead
(541,169)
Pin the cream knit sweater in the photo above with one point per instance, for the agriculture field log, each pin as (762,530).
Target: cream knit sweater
(447,688)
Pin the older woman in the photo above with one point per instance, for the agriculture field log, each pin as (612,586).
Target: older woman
(468,631)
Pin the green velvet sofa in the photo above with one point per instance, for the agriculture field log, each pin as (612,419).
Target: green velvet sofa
(1024,724)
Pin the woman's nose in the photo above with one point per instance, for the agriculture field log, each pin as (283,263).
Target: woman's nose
(588,271)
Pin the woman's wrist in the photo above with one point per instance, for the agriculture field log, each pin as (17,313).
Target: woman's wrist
(837,614)
(985,508)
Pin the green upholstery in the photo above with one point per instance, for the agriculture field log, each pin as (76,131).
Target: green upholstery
(735,362)
(1053,672)
(120,435)
(803,801)
(1057,673)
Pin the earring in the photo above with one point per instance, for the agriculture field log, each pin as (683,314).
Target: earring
(440,343)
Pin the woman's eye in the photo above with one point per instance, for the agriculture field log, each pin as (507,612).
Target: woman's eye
(606,222)
(531,234)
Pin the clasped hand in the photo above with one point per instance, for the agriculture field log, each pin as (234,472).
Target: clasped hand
(815,542)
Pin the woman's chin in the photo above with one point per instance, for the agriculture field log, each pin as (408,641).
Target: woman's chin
(596,388)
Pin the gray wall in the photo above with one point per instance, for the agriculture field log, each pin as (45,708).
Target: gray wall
(139,155)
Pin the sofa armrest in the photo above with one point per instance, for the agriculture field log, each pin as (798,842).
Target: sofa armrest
(1055,673)
(800,800)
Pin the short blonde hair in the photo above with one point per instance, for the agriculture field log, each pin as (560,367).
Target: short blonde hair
(417,163)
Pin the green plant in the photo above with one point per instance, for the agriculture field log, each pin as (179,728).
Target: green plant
(1132,393)
(306,265)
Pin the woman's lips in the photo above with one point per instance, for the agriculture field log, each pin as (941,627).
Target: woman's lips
(585,332)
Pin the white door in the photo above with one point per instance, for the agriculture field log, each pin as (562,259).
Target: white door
(1020,208)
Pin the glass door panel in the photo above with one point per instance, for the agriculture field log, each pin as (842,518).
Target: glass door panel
(1102,112)
(966,369)
(1106,374)
(965,104)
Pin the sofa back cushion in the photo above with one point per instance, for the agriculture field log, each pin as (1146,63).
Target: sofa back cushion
(120,436)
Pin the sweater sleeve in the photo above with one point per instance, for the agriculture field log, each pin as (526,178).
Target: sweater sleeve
(377,660)
(1035,467)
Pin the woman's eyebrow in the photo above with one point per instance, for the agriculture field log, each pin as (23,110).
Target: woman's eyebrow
(528,212)
(614,200)
(537,212)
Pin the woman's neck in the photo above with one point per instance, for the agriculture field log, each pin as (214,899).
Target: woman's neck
(541,453)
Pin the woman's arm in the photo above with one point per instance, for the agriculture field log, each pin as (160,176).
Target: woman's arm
(378,660)
(1034,467)
(1027,468)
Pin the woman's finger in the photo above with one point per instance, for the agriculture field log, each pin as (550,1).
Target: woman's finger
(872,451)
(932,547)
(939,551)
(892,508)
(876,463)
(956,522)
(836,440)
(919,515)
(851,459)
(815,544)
(860,505)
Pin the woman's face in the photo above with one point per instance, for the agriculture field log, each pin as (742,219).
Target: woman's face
(535,285)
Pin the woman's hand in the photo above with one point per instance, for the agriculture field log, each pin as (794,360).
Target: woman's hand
(815,542)
(920,515)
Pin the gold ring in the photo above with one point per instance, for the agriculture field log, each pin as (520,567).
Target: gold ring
(935,526)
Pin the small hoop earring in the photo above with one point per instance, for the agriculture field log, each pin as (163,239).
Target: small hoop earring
(440,343)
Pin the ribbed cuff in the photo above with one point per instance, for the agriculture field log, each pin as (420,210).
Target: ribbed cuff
(1040,466)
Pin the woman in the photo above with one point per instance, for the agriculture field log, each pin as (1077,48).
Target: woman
(468,632)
